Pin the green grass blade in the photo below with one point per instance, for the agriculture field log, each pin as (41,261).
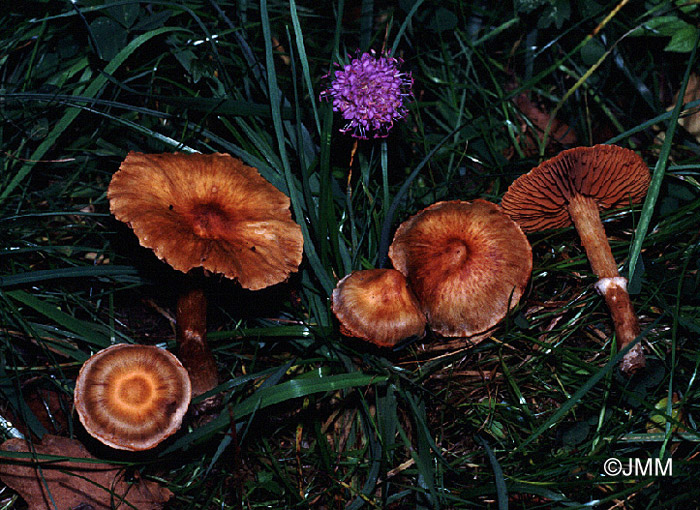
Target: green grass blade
(10,393)
(501,490)
(375,458)
(30,277)
(70,115)
(576,398)
(302,387)
(87,331)
(309,247)
(404,25)
(299,37)
(658,175)
(658,119)
(266,397)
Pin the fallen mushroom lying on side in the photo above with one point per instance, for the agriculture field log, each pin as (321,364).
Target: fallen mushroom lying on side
(132,397)
(575,186)
(467,263)
(209,211)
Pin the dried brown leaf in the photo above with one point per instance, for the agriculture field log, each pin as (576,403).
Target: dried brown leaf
(71,484)
(691,122)
(560,133)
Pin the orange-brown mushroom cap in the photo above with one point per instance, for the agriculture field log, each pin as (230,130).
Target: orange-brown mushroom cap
(210,211)
(132,397)
(467,263)
(377,305)
(612,176)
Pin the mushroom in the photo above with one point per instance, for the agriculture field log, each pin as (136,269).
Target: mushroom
(209,211)
(377,305)
(132,397)
(467,263)
(575,186)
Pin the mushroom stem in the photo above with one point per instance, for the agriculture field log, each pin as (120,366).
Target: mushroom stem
(586,217)
(614,290)
(193,350)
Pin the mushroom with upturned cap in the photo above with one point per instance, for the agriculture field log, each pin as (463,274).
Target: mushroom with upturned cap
(467,263)
(132,397)
(377,305)
(210,211)
(573,187)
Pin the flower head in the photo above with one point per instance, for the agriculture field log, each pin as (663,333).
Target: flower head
(369,92)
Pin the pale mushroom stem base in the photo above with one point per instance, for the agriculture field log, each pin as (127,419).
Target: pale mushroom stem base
(586,217)
(614,291)
(193,350)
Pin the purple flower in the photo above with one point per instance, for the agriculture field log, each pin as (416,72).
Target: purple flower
(369,92)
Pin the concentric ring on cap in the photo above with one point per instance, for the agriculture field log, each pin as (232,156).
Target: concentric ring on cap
(132,397)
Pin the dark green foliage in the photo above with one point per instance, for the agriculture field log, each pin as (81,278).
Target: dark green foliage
(526,418)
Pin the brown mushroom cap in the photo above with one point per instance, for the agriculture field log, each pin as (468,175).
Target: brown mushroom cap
(132,397)
(612,176)
(467,263)
(377,305)
(210,211)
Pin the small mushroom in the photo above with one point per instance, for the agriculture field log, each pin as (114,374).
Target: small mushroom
(575,186)
(132,397)
(209,211)
(467,263)
(378,306)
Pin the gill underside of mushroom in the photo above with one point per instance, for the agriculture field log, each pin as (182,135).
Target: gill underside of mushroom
(193,351)
(586,217)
